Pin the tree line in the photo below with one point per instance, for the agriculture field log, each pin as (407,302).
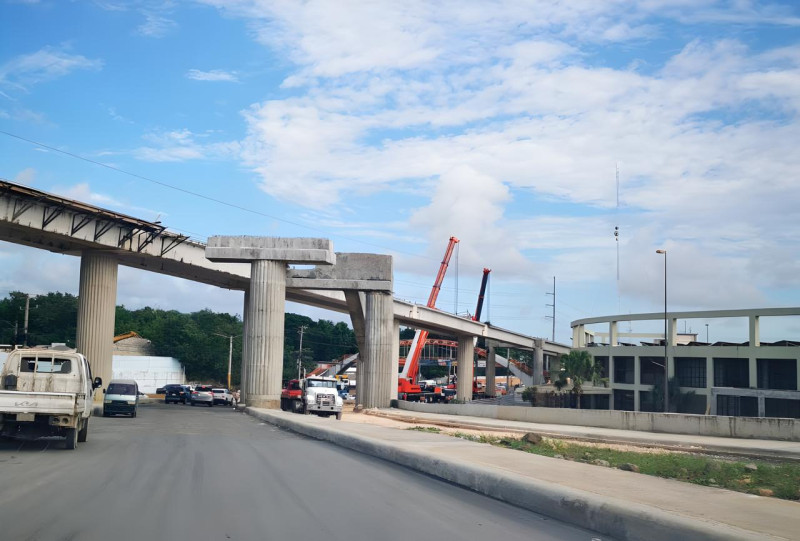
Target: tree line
(198,339)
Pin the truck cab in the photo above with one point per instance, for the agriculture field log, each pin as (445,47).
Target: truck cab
(321,397)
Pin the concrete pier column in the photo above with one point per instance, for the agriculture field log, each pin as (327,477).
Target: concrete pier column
(97,302)
(377,378)
(466,354)
(265,333)
(395,359)
(538,361)
(245,349)
(265,304)
(491,387)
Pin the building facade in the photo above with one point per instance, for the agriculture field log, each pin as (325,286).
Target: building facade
(748,379)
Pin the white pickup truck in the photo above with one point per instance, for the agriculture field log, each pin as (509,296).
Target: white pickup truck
(46,391)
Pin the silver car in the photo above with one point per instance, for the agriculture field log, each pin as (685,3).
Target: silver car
(202,394)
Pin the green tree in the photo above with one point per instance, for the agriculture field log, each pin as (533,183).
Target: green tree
(578,367)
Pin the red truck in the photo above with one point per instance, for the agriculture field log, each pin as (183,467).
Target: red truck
(292,396)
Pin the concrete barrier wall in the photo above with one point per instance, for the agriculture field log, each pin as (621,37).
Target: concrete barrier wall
(670,423)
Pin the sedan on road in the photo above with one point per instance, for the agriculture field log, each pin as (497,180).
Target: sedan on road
(202,394)
(175,393)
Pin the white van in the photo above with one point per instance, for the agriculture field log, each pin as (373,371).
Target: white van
(122,397)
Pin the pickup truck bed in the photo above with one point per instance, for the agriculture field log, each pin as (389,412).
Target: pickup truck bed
(41,403)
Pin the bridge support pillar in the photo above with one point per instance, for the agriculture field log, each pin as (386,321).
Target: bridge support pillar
(538,361)
(491,387)
(265,303)
(97,302)
(265,316)
(245,349)
(466,355)
(375,380)
(395,359)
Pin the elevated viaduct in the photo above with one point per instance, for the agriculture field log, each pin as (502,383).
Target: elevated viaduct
(357,284)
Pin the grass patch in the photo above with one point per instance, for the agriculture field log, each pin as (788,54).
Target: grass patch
(432,429)
(778,480)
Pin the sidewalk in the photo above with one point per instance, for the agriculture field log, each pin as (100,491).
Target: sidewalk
(625,505)
(750,448)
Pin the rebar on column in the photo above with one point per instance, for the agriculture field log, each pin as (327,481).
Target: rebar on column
(97,300)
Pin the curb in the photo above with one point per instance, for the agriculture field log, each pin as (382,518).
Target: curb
(622,519)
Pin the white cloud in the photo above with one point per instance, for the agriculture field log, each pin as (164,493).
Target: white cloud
(26,176)
(212,75)
(183,145)
(156,25)
(44,65)
(476,110)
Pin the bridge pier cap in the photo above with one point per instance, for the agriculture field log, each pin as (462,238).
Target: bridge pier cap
(246,249)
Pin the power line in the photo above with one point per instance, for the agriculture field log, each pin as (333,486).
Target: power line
(202,196)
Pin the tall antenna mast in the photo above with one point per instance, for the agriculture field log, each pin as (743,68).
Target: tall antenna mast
(553,317)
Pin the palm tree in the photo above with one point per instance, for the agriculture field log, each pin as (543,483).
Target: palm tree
(578,366)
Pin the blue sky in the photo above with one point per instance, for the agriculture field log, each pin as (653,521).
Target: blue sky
(390,126)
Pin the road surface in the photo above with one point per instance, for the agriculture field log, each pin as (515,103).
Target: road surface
(205,474)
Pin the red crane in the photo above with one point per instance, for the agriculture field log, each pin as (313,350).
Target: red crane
(407,383)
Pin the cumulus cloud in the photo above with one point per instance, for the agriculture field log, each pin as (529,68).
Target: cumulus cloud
(478,111)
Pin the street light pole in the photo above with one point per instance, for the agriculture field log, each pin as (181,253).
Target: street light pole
(706,333)
(666,337)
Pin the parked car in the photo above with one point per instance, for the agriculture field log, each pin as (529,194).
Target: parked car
(222,396)
(202,394)
(175,392)
(122,397)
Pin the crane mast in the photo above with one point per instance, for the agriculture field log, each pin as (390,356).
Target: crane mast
(408,377)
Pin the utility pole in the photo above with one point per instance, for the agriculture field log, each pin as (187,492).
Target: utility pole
(27,311)
(230,359)
(553,317)
(301,330)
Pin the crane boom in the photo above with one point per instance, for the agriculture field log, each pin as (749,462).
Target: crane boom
(479,308)
(411,366)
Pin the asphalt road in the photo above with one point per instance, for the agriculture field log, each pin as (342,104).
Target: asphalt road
(206,474)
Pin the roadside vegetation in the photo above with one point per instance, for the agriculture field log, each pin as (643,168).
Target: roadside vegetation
(779,480)
(191,338)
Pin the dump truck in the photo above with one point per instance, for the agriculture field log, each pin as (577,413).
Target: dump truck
(46,391)
(317,395)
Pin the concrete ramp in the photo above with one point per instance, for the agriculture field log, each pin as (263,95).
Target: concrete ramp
(524,378)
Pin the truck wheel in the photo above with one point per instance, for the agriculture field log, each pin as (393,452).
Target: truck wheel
(339,416)
(82,433)
(72,438)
